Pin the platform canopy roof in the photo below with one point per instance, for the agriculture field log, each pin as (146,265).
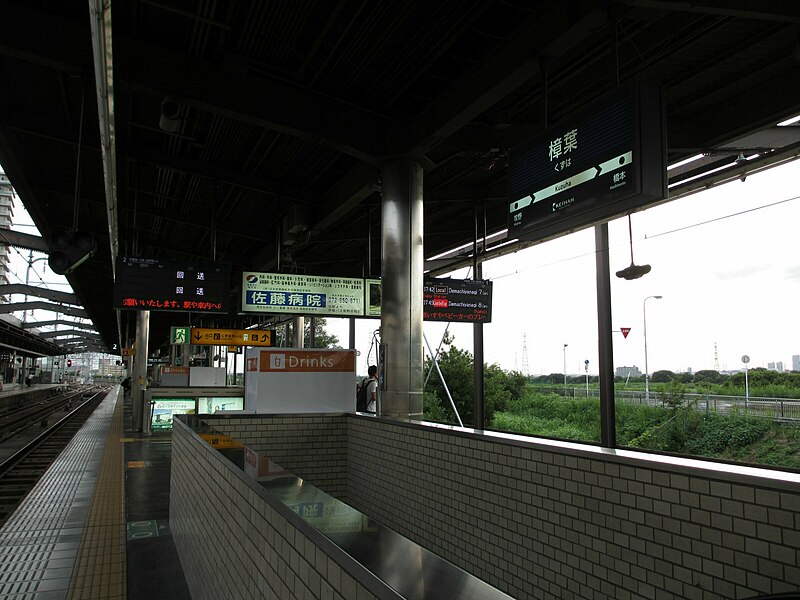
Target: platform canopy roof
(253,133)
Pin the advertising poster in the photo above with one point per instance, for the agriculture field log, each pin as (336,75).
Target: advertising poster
(373,295)
(302,294)
(210,405)
(164,408)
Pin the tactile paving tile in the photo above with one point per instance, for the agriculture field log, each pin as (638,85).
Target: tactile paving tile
(40,541)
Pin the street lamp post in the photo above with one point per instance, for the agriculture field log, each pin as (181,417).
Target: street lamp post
(565,370)
(646,371)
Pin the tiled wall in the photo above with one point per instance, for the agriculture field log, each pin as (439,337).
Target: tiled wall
(541,519)
(310,446)
(234,543)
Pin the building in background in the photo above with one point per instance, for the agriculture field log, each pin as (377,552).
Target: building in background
(628,372)
(796,362)
(6,215)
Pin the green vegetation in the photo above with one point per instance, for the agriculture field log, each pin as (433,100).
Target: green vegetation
(762,383)
(513,404)
(500,388)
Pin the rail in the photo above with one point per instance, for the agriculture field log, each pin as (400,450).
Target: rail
(20,471)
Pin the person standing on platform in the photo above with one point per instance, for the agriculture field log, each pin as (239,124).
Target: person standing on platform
(372,389)
(29,379)
(126,386)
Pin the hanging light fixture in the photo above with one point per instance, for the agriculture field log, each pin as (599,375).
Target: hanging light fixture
(633,271)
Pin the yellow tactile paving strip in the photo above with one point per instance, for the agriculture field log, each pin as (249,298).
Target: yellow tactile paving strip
(40,542)
(100,564)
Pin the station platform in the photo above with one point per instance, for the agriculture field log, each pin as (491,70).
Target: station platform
(97,524)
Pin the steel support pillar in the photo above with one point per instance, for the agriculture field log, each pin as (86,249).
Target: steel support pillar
(402,265)
(608,423)
(298,335)
(139,379)
(477,337)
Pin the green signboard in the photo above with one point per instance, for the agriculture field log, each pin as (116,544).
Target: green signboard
(179,335)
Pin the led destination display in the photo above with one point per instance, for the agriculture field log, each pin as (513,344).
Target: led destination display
(164,284)
(457,300)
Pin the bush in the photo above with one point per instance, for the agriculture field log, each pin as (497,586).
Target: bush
(717,434)
(434,411)
(499,388)
(551,416)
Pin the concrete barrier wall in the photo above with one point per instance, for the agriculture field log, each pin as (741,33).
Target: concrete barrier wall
(542,519)
(234,541)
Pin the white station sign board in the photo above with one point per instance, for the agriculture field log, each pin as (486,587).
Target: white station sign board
(292,380)
(302,294)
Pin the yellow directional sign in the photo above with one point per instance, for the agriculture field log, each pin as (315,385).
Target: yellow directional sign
(231,337)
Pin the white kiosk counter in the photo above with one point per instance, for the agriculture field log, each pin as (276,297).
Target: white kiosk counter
(291,380)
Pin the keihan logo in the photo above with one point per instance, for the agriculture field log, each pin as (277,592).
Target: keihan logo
(251,279)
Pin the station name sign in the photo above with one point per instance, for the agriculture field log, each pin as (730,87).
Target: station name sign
(590,169)
(171,285)
(302,294)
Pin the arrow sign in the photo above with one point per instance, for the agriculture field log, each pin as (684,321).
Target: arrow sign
(232,337)
(625,331)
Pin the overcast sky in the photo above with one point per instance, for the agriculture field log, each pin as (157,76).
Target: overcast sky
(729,281)
(726,261)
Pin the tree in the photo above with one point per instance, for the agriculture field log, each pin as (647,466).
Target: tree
(456,366)
(709,375)
(322,339)
(662,376)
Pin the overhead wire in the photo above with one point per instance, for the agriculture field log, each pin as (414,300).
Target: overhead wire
(648,237)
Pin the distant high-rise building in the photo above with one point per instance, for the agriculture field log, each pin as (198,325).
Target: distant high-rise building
(796,362)
(771,366)
(779,366)
(628,372)
(6,215)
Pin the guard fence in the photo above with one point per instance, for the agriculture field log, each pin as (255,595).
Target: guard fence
(787,409)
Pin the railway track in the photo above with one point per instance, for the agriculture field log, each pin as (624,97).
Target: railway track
(20,471)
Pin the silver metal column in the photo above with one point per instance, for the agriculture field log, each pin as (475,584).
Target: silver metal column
(401,311)
(139,378)
(298,333)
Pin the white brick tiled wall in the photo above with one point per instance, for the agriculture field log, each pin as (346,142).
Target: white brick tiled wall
(550,520)
(537,518)
(233,543)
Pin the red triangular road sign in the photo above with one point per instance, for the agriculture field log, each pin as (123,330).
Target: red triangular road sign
(625,331)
